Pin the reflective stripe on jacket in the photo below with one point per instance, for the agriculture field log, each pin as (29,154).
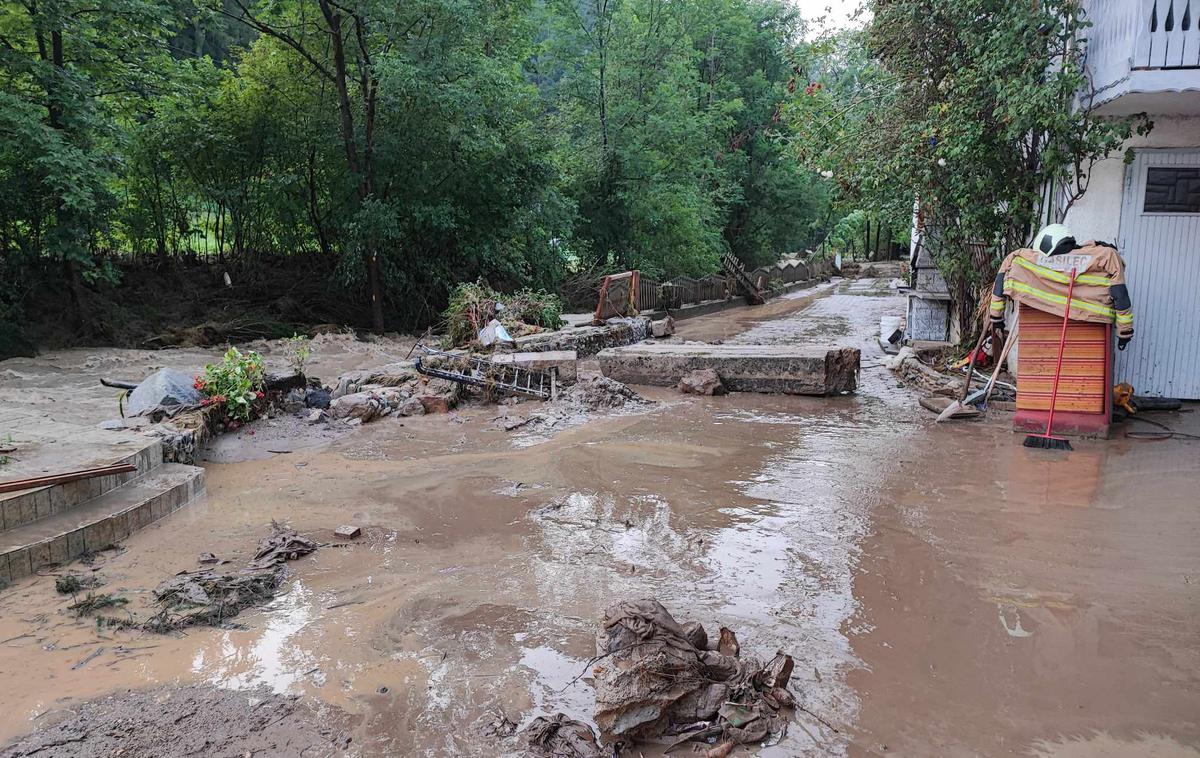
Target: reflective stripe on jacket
(1041,281)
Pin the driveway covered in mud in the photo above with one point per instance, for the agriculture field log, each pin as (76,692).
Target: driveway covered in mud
(943,590)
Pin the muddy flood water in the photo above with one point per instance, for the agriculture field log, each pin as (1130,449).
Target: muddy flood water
(943,590)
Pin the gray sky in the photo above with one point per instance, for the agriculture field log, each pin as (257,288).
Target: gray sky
(838,16)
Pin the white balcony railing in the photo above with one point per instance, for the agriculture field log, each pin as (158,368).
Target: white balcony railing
(1169,36)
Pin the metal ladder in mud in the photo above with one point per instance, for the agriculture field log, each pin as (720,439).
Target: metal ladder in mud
(481,372)
(733,267)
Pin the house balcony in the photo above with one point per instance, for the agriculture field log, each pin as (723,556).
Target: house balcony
(1143,56)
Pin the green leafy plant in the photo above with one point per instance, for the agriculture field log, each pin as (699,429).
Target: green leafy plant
(236,382)
(298,348)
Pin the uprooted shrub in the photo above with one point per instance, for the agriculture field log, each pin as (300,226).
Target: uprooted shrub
(473,303)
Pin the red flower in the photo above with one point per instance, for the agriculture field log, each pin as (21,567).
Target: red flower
(260,395)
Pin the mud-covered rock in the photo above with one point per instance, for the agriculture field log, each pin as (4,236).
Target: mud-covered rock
(411,406)
(704,381)
(366,406)
(317,397)
(293,401)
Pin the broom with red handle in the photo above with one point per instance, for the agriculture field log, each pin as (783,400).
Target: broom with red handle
(1045,441)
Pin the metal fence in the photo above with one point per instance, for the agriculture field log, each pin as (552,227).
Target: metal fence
(682,290)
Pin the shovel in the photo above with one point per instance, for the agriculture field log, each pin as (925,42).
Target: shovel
(958,407)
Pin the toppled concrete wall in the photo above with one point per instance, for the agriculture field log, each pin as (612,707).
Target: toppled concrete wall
(793,370)
(588,340)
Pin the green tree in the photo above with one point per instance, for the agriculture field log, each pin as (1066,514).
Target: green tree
(70,73)
(968,106)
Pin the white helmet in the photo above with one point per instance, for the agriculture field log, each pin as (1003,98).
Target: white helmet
(1050,237)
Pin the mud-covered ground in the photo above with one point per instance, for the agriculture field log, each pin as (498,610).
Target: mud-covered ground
(944,590)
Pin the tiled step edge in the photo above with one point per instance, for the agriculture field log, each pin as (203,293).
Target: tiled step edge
(103,532)
(31,505)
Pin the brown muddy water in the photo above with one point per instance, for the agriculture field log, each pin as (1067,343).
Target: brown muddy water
(944,590)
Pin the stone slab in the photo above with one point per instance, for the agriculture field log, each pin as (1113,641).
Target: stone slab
(787,369)
(588,340)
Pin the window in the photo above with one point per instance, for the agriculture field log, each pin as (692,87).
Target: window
(1172,190)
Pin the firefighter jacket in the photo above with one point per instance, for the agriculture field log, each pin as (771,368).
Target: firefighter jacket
(1040,281)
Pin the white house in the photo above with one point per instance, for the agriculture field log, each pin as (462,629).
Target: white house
(1143,56)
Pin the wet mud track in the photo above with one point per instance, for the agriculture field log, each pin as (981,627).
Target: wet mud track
(940,596)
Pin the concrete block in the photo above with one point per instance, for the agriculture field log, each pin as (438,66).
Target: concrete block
(120,526)
(10,513)
(60,550)
(5,578)
(565,361)
(41,502)
(158,508)
(39,555)
(788,369)
(588,340)
(98,535)
(18,563)
(72,494)
(58,499)
(75,544)
(28,508)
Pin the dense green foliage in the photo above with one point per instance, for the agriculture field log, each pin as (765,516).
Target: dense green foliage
(474,304)
(968,106)
(411,146)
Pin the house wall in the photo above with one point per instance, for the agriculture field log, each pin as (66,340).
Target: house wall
(1097,214)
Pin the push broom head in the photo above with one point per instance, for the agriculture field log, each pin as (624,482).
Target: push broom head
(1046,442)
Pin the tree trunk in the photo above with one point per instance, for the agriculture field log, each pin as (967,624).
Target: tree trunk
(363,173)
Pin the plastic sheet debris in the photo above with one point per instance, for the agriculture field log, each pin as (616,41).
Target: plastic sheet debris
(559,736)
(658,679)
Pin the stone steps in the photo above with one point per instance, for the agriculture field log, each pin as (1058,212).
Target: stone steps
(27,506)
(98,522)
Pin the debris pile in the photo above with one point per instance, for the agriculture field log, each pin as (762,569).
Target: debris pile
(392,395)
(559,736)
(597,392)
(71,583)
(281,546)
(474,304)
(658,679)
(914,371)
(209,598)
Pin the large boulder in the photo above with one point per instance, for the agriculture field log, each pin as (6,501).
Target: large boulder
(165,392)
